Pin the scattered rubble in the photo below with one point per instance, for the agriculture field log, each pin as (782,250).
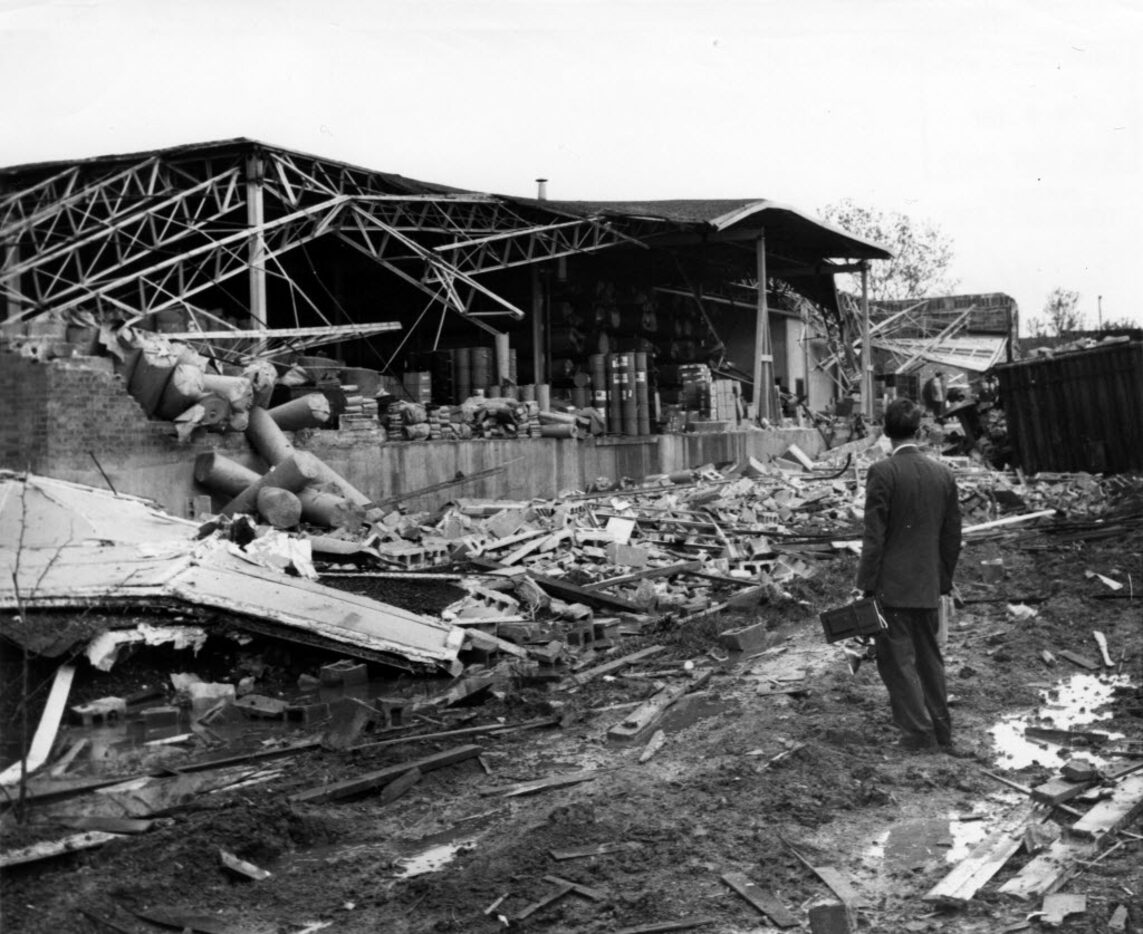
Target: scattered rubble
(605,618)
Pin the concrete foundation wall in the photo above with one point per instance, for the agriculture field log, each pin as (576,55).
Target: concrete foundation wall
(58,415)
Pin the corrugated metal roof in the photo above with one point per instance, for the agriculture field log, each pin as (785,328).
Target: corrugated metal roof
(781,222)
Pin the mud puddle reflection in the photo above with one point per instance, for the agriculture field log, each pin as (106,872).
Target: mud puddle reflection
(1069,705)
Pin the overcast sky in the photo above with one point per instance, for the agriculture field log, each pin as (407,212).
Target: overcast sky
(1013,125)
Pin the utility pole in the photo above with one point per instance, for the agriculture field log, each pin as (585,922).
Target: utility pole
(1099,312)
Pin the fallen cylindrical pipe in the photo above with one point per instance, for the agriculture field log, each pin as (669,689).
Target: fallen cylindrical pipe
(271,442)
(262,375)
(220,474)
(559,431)
(236,390)
(183,389)
(296,472)
(308,411)
(281,508)
(267,438)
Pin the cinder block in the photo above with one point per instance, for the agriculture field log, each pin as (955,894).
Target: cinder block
(160,721)
(344,672)
(747,638)
(832,918)
(307,713)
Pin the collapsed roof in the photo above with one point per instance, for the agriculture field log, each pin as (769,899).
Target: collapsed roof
(74,546)
(136,234)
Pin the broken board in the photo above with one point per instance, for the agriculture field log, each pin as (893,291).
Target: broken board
(762,900)
(986,858)
(372,780)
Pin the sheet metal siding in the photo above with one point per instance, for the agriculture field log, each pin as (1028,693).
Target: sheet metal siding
(1077,412)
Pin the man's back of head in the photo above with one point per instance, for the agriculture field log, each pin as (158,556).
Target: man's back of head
(902,419)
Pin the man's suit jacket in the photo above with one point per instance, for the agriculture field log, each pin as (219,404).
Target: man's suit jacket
(912,531)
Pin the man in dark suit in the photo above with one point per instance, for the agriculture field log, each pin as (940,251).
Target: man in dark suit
(908,556)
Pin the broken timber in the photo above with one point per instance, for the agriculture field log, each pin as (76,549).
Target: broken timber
(607,667)
(373,780)
(45,736)
(661,927)
(643,719)
(50,848)
(986,858)
(762,900)
(544,784)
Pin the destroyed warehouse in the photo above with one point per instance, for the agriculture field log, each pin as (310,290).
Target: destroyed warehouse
(380,555)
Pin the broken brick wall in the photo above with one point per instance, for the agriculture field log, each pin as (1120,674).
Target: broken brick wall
(62,416)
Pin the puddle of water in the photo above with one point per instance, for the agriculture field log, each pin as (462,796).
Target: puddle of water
(433,859)
(917,844)
(1068,705)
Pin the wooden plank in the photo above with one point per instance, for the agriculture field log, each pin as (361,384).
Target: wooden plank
(668,571)
(45,736)
(396,789)
(580,889)
(986,858)
(49,848)
(372,780)
(242,867)
(1080,660)
(545,784)
(1049,870)
(68,757)
(548,899)
(841,887)
(641,721)
(491,728)
(762,900)
(663,927)
(1109,815)
(593,849)
(1101,641)
(117,825)
(584,677)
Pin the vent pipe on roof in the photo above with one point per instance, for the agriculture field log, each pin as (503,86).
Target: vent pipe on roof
(541,189)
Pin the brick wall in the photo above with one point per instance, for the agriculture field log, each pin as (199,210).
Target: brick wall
(62,412)
(58,414)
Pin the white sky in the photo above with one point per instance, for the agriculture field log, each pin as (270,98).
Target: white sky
(1014,125)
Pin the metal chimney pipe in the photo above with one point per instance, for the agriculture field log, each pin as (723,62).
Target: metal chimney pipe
(541,189)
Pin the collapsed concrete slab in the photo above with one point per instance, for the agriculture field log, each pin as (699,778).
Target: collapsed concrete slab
(76,546)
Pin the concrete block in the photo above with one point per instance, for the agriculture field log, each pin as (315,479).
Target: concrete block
(627,555)
(308,713)
(344,672)
(160,721)
(259,705)
(754,638)
(832,918)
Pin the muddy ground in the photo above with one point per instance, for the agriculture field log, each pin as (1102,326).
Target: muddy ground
(747,776)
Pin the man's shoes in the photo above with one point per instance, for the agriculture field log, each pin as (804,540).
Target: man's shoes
(957,752)
(917,743)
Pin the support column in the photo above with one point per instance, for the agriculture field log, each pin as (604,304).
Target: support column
(866,346)
(763,352)
(539,345)
(503,355)
(256,251)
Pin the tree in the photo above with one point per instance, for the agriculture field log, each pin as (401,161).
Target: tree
(1061,314)
(921,252)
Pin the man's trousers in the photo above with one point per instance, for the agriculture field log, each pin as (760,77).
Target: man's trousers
(909,662)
